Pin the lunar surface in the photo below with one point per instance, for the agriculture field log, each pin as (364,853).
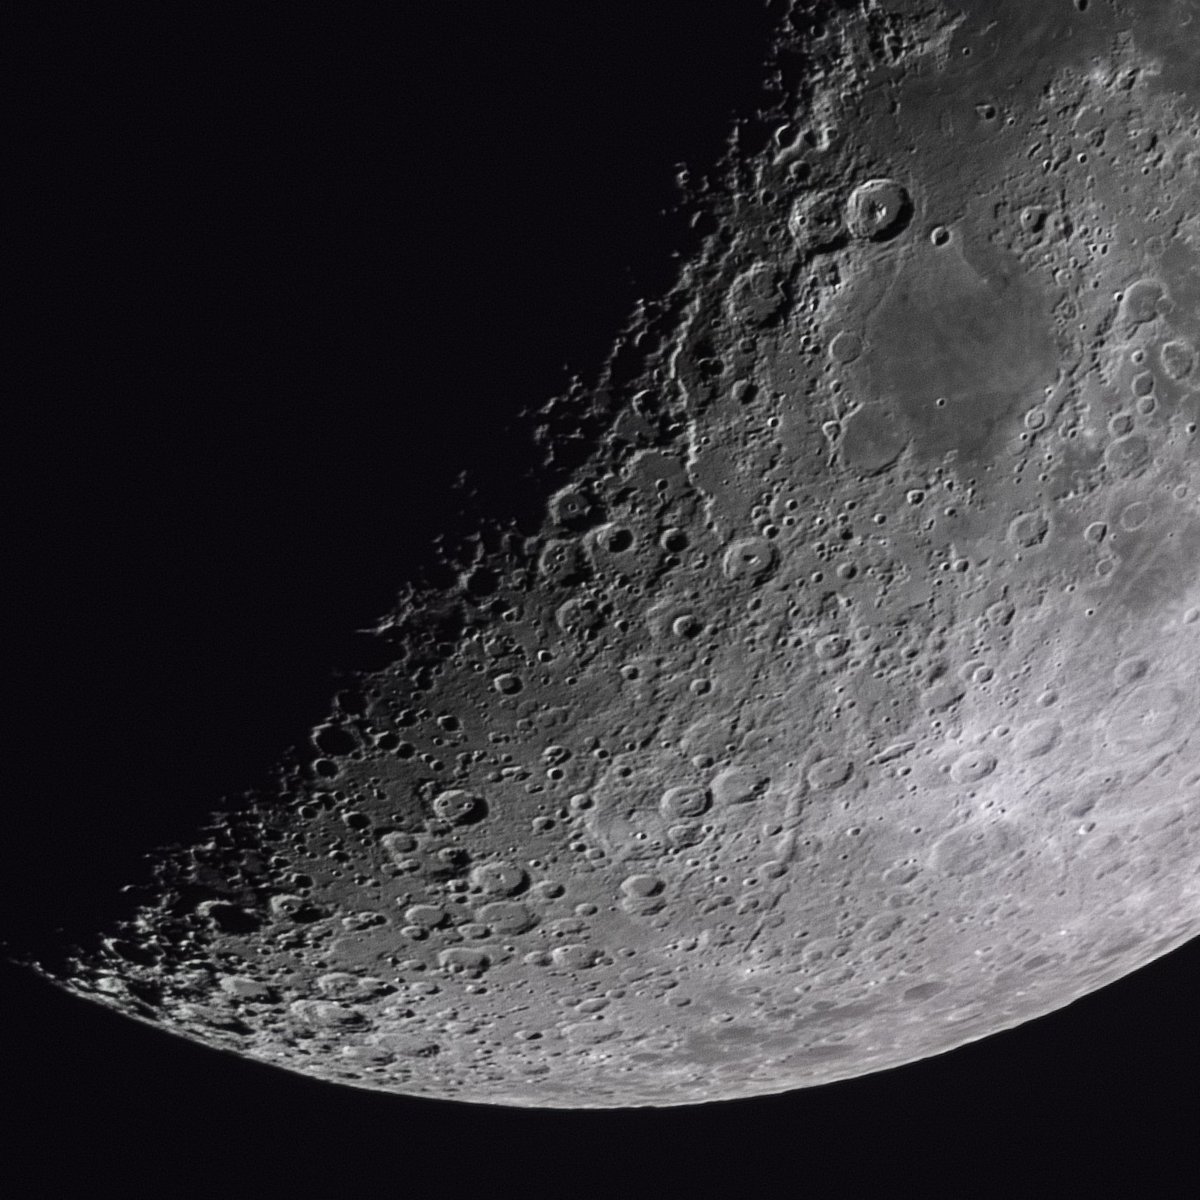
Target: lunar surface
(844,710)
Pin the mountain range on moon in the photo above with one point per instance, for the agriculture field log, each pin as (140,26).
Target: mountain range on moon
(842,710)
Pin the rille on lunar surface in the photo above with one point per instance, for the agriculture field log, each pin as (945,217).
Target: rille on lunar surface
(845,708)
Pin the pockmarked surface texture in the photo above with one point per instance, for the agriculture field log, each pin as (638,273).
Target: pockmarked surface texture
(845,709)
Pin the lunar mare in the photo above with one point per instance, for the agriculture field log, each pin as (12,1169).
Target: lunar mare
(844,710)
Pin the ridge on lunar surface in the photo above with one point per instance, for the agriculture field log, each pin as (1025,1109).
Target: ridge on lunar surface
(844,709)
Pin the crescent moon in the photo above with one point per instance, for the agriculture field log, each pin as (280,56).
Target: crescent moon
(843,710)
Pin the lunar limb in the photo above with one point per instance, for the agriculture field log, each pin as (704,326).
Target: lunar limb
(844,710)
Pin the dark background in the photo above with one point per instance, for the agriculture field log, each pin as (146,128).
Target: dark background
(284,276)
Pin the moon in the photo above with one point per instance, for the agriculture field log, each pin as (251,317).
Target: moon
(843,710)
